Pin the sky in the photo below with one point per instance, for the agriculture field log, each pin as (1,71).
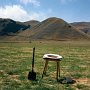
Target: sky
(25,10)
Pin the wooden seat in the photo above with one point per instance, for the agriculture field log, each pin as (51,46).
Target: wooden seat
(52,57)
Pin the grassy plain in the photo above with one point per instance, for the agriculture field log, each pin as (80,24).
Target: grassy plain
(16,57)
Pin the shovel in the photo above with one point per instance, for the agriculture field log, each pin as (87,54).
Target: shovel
(32,74)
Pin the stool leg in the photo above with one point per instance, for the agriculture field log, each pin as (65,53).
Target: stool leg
(57,70)
(45,67)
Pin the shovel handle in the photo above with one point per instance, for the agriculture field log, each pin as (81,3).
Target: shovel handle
(33,59)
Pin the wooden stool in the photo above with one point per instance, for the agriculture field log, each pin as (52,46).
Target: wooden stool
(52,57)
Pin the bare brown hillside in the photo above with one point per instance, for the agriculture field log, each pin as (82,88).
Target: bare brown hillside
(52,28)
(83,26)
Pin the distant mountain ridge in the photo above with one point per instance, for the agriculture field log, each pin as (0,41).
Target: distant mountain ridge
(32,23)
(50,29)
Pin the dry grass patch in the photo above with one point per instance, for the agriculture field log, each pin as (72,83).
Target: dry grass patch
(16,59)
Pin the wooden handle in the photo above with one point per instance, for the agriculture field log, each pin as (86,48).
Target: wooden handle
(33,59)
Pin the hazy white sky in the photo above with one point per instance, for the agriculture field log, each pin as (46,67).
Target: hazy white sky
(24,10)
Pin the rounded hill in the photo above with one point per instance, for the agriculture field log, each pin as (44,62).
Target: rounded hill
(55,29)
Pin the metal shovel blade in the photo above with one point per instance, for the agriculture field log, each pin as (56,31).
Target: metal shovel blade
(32,76)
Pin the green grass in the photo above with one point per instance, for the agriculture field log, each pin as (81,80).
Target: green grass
(16,59)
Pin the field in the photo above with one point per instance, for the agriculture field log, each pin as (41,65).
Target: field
(16,59)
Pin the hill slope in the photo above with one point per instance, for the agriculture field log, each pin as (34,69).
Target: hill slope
(55,29)
(32,23)
(83,26)
(8,26)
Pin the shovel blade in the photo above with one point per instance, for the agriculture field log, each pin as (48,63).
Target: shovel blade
(32,76)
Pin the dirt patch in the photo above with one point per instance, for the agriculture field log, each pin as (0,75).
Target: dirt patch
(84,81)
(14,76)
